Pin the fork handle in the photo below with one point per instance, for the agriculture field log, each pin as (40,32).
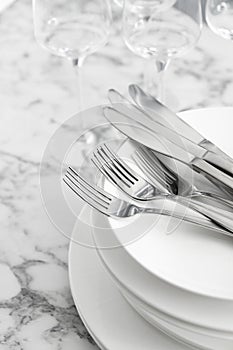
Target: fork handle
(216,198)
(219,216)
(211,220)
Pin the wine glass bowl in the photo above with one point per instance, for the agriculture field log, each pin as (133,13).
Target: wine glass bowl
(153,31)
(219,16)
(161,29)
(72,29)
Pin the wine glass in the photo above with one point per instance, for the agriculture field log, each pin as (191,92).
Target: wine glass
(160,30)
(219,16)
(72,29)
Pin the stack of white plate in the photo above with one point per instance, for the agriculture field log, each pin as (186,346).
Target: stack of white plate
(182,282)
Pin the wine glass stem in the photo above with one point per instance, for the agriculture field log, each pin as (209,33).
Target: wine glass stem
(88,136)
(161,65)
(77,64)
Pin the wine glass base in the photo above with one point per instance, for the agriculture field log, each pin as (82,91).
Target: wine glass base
(88,138)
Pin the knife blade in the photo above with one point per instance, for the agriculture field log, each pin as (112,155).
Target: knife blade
(139,116)
(135,114)
(115,97)
(168,117)
(163,146)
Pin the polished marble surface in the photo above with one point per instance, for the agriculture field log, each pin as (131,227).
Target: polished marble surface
(37,93)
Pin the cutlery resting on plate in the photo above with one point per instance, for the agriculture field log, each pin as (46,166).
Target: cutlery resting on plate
(153,185)
(135,123)
(116,207)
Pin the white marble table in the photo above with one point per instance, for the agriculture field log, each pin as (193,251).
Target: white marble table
(37,93)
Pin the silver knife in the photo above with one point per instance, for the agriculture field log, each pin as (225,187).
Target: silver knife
(116,98)
(161,145)
(167,117)
(122,105)
(136,115)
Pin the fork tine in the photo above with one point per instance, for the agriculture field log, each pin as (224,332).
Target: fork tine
(113,156)
(115,165)
(144,163)
(152,176)
(170,177)
(83,192)
(149,162)
(156,166)
(94,189)
(93,196)
(104,169)
(107,166)
(163,175)
(84,197)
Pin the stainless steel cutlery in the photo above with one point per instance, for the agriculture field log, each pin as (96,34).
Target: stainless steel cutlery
(142,117)
(117,171)
(137,187)
(160,113)
(172,130)
(115,207)
(179,184)
(162,143)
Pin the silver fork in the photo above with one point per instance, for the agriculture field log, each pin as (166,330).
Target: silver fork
(121,175)
(112,206)
(135,186)
(148,162)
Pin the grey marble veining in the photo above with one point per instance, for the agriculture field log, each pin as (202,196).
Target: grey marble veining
(37,93)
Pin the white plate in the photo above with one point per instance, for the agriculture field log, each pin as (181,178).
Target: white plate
(200,281)
(202,258)
(108,317)
(203,339)
(194,311)
(200,263)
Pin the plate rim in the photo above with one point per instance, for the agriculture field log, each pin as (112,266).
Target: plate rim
(211,293)
(78,306)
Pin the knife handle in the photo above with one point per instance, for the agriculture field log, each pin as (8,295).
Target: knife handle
(219,162)
(211,172)
(210,146)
